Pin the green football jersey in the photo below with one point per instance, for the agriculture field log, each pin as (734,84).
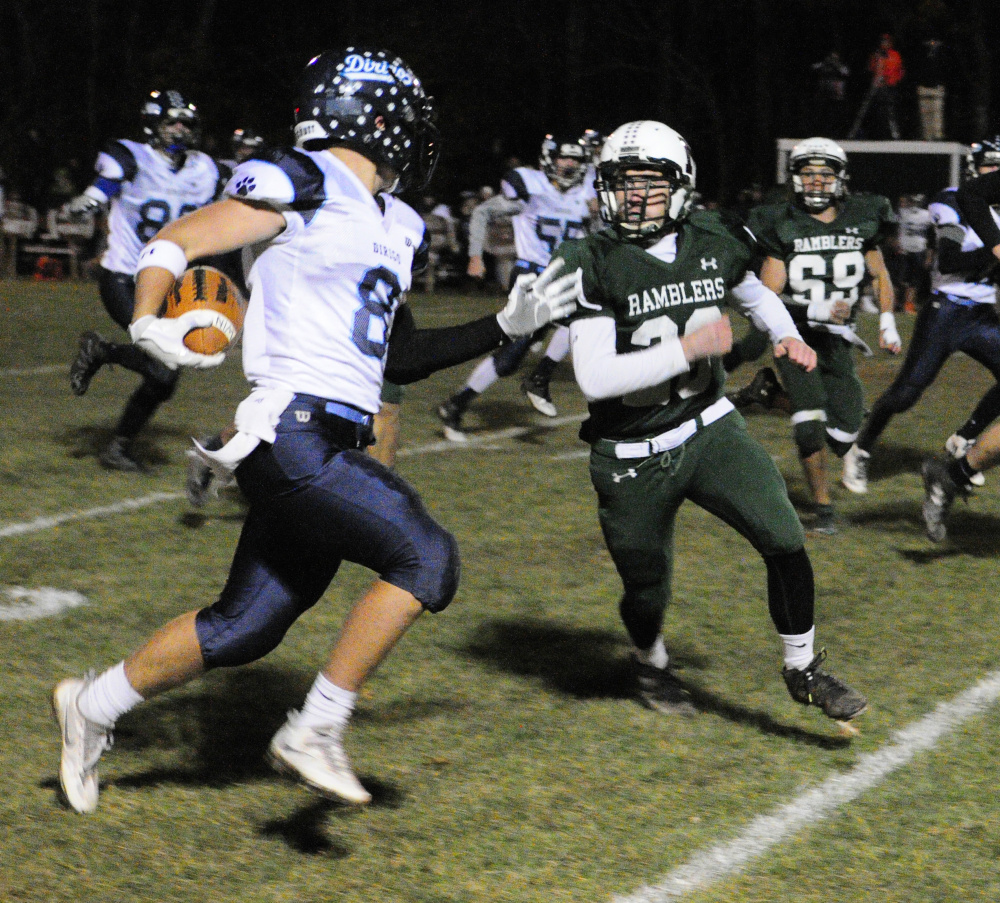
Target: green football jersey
(824,261)
(650,300)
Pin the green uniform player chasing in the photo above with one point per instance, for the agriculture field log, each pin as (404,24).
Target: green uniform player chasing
(647,339)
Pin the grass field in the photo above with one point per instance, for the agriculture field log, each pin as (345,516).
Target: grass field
(506,756)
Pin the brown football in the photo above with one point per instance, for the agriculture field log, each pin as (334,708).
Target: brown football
(206,288)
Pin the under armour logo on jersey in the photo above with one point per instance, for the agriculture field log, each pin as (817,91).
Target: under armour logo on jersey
(852,230)
(303,416)
(618,477)
(705,264)
(245,185)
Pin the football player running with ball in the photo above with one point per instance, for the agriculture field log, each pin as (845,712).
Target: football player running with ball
(146,185)
(333,250)
(647,341)
(550,205)
(817,251)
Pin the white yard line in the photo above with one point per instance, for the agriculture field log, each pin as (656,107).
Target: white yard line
(722,861)
(35,371)
(46,523)
(481,442)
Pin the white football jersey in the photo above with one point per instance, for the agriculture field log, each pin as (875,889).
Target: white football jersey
(549,216)
(945,213)
(323,293)
(151,196)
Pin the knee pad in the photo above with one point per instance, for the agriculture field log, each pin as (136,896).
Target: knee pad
(228,639)
(508,359)
(810,436)
(839,447)
(438,568)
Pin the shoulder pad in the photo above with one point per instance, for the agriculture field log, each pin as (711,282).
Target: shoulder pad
(514,185)
(284,179)
(721,222)
(117,163)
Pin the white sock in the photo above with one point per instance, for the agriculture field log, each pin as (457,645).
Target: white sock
(655,655)
(558,344)
(108,697)
(483,376)
(798,648)
(327,704)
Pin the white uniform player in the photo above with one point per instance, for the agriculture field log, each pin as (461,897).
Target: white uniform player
(147,185)
(548,206)
(332,255)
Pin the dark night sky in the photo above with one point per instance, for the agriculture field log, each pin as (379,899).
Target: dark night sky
(731,75)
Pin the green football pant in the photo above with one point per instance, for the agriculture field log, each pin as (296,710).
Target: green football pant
(721,469)
(828,404)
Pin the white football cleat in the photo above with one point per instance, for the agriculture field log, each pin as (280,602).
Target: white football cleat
(315,756)
(958,447)
(855,476)
(83,741)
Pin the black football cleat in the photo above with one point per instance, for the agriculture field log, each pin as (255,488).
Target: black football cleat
(536,388)
(762,390)
(90,357)
(450,415)
(940,491)
(117,456)
(810,686)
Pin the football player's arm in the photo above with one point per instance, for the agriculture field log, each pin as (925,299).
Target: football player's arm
(974,199)
(888,335)
(768,313)
(114,166)
(951,257)
(601,372)
(220,227)
(534,302)
(479,220)
(215,229)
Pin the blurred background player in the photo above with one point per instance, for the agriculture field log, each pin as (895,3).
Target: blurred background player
(549,205)
(817,250)
(244,144)
(959,316)
(147,185)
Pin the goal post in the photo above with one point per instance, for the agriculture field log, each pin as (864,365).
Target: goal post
(892,168)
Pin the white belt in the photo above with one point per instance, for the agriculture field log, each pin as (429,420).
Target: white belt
(677,436)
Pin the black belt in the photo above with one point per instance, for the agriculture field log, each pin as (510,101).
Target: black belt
(348,426)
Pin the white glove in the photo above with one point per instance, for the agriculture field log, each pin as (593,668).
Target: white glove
(888,331)
(163,338)
(535,301)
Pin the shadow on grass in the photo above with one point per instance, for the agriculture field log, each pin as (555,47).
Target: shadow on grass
(90,441)
(970,532)
(224,732)
(588,664)
(304,830)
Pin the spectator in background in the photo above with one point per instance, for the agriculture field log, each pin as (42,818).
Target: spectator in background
(886,67)
(930,91)
(827,115)
(915,223)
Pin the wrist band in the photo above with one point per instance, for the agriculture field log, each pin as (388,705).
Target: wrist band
(886,320)
(165,254)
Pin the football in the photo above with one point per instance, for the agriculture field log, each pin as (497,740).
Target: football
(206,288)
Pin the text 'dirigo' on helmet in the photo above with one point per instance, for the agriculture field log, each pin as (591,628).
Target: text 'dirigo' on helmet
(645,180)
(818,152)
(564,160)
(370,101)
(169,122)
